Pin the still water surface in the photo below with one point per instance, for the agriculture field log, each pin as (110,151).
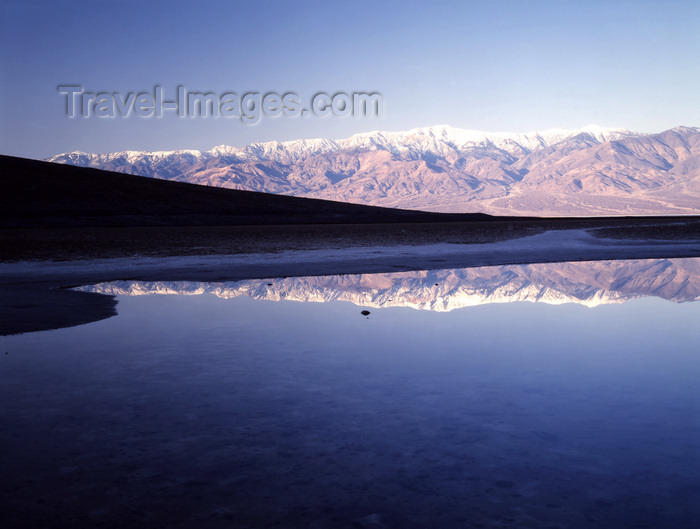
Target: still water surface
(188,411)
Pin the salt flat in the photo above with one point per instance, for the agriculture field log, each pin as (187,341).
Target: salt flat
(551,246)
(32,298)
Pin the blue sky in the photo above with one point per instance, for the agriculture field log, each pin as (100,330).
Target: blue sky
(494,66)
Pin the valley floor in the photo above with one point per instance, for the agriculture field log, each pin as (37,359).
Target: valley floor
(42,263)
(61,244)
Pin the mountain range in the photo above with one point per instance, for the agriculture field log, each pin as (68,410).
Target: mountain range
(587,283)
(584,172)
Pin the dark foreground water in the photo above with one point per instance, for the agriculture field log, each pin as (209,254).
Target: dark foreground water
(198,411)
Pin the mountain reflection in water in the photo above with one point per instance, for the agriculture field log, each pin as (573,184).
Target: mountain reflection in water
(589,283)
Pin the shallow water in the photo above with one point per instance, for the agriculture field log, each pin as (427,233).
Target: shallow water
(202,411)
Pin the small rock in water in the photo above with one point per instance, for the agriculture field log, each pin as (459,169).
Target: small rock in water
(365,313)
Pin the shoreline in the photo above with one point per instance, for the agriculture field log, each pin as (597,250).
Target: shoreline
(34,297)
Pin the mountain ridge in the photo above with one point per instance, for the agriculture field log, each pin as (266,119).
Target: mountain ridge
(367,139)
(590,284)
(582,172)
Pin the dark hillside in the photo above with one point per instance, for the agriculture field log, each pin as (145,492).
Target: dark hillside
(43,194)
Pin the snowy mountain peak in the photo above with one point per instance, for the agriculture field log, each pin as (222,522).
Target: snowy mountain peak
(424,139)
(683,129)
(442,168)
(590,284)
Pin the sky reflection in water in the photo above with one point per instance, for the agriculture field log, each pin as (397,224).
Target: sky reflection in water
(249,412)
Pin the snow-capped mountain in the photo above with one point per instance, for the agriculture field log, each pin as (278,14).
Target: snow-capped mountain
(589,171)
(587,283)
